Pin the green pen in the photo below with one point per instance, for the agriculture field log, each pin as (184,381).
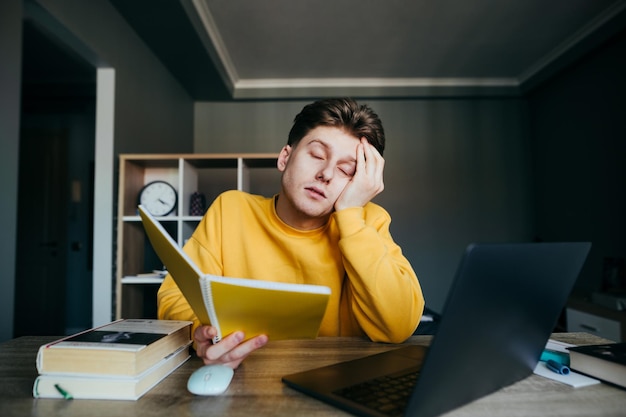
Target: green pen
(64,393)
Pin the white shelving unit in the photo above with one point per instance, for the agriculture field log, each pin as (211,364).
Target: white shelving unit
(209,174)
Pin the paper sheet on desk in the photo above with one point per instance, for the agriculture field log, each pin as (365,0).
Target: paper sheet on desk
(573,379)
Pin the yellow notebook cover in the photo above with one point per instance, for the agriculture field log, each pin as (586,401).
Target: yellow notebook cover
(282,311)
(279,310)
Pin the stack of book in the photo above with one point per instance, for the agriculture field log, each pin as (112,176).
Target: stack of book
(606,362)
(118,361)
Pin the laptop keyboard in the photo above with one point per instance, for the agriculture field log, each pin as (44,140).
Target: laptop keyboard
(388,395)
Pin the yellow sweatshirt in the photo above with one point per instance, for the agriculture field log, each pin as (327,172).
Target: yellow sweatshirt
(375,292)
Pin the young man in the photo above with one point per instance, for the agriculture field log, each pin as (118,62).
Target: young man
(321,228)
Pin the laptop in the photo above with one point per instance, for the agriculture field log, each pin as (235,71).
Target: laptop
(499,314)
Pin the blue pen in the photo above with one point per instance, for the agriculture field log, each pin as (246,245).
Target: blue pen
(560,357)
(557,367)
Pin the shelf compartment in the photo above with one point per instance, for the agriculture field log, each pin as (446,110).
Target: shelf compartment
(209,174)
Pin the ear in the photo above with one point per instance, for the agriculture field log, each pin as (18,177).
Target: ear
(283,157)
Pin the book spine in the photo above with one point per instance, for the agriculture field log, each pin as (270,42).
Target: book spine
(39,360)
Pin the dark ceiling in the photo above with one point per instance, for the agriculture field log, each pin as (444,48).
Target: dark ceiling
(242,49)
(164,26)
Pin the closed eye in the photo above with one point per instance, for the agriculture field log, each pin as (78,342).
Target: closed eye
(347,171)
(317,150)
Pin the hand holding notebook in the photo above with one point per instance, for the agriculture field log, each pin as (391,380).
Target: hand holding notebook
(279,310)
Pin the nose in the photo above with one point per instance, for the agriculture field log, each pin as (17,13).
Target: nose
(325,173)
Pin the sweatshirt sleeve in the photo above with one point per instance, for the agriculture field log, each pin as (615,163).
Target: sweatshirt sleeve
(172,305)
(385,296)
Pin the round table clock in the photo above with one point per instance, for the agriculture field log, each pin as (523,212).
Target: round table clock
(158,197)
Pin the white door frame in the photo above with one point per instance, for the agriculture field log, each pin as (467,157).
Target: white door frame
(102,294)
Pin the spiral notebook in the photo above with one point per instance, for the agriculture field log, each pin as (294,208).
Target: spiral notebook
(277,309)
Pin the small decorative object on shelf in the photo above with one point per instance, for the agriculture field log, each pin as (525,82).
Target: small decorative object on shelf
(197,204)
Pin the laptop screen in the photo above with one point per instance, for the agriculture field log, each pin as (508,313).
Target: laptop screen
(500,312)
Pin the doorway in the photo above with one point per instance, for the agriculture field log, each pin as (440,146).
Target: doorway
(53,292)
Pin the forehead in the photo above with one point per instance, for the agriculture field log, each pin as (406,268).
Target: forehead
(332,139)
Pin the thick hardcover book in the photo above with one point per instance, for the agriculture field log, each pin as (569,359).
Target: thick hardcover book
(122,348)
(108,387)
(606,362)
(279,310)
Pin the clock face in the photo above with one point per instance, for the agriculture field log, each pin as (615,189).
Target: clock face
(158,197)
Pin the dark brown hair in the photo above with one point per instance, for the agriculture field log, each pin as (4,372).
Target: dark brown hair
(356,119)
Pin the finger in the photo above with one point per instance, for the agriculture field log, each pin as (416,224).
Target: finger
(380,165)
(237,354)
(360,156)
(216,352)
(203,338)
(204,334)
(374,166)
(372,156)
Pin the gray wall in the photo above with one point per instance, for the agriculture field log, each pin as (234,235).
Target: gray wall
(579,139)
(550,166)
(153,113)
(457,171)
(10,76)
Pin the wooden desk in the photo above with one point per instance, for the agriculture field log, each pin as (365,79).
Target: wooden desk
(258,391)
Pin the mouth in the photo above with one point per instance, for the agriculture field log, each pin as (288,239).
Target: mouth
(315,192)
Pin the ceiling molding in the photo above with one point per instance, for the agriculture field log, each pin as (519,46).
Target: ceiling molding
(198,12)
(379,87)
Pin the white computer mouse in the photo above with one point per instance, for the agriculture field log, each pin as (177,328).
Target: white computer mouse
(210,380)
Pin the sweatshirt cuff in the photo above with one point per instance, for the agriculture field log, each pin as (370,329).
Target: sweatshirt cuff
(350,221)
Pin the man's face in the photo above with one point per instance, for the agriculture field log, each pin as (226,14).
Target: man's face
(315,174)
